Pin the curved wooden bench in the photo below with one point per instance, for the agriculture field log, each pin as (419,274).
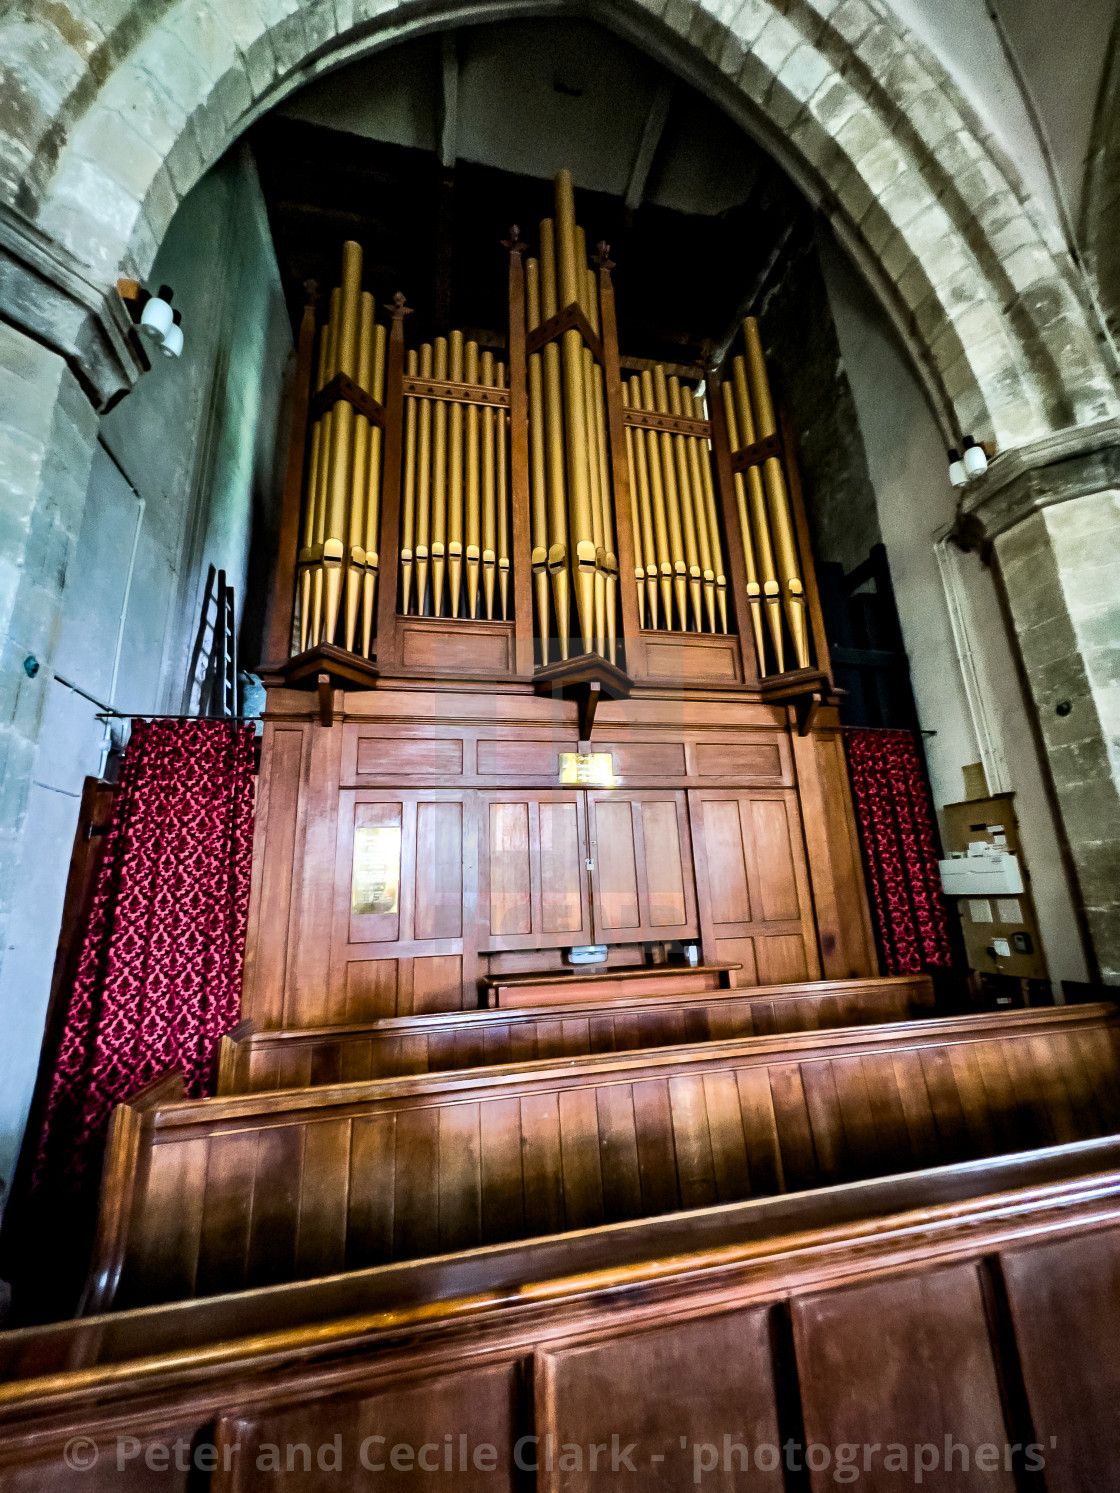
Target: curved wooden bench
(256,1062)
(1005,1287)
(214,1195)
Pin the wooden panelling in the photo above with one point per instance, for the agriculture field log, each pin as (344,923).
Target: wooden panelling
(439,870)
(510,882)
(679,660)
(563,882)
(748,760)
(437,983)
(854,1397)
(642,881)
(501,758)
(616,868)
(408,756)
(533,882)
(273,874)
(645,759)
(826,1110)
(478,648)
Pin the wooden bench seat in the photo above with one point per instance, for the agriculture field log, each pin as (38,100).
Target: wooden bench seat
(513,991)
(754,1334)
(255,1062)
(206,1196)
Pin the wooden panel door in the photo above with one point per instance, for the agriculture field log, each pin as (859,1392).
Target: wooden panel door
(642,879)
(532,870)
(406,893)
(753,885)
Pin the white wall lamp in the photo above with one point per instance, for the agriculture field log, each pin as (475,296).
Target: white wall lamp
(160,323)
(965,468)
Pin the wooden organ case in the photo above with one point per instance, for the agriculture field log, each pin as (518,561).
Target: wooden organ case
(547,667)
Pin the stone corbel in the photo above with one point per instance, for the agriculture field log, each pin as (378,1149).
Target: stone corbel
(1069,464)
(45,293)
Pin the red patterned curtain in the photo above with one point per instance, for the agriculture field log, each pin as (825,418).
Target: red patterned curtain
(896,830)
(159,976)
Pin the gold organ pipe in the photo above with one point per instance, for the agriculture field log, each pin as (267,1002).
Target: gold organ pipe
(342,440)
(306,556)
(455,477)
(672,501)
(595,487)
(697,455)
(581,272)
(373,494)
(408,516)
(645,505)
(777,497)
(423,482)
(501,429)
(538,479)
(473,492)
(754,589)
(688,511)
(660,517)
(635,514)
(705,459)
(489,524)
(359,479)
(554,444)
(610,558)
(439,480)
(321,478)
(760,519)
(575,411)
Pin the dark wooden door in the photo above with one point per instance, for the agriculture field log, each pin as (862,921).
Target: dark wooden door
(532,870)
(754,888)
(641,866)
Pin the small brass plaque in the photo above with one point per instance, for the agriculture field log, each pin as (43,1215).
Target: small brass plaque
(376,882)
(587,770)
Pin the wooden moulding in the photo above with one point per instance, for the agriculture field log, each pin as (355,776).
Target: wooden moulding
(556,326)
(675,424)
(455,393)
(343,387)
(756,453)
(586,679)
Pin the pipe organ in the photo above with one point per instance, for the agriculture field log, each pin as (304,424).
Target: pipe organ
(560,601)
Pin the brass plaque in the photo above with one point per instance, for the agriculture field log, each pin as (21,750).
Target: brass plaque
(587,770)
(376,882)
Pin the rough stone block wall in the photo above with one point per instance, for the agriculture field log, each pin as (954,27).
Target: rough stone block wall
(1059,569)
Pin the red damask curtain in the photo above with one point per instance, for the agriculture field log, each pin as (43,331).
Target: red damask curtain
(896,829)
(159,975)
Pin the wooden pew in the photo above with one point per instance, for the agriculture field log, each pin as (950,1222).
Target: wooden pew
(215,1195)
(898,1329)
(255,1062)
(513,991)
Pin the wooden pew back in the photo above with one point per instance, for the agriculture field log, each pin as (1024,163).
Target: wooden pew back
(215,1195)
(256,1062)
(887,1332)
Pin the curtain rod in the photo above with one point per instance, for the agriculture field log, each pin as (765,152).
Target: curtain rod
(920,731)
(154,715)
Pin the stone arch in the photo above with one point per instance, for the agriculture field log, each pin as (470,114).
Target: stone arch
(109,126)
(1101,198)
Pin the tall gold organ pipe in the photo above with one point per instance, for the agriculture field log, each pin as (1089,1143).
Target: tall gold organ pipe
(777,498)
(704,456)
(501,428)
(554,444)
(610,557)
(342,440)
(697,454)
(473,490)
(307,555)
(672,501)
(754,589)
(359,479)
(538,480)
(455,477)
(489,478)
(439,479)
(760,519)
(373,495)
(408,515)
(645,505)
(635,514)
(657,494)
(575,412)
(688,511)
(423,482)
(594,482)
(321,478)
